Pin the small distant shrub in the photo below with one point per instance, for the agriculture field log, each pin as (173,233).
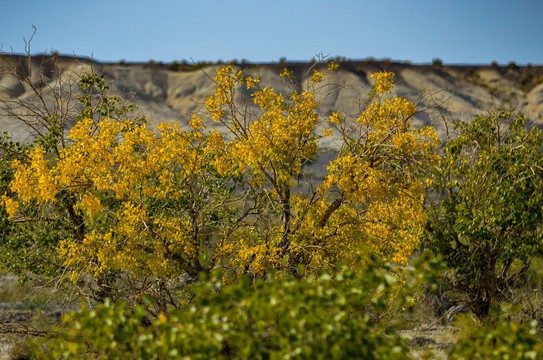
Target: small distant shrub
(174,66)
(437,62)
(179,66)
(526,81)
(199,65)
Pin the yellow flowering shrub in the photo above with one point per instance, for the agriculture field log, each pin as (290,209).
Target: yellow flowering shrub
(377,175)
(185,199)
(128,182)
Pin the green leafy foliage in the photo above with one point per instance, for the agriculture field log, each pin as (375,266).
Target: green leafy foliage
(273,318)
(500,340)
(489,225)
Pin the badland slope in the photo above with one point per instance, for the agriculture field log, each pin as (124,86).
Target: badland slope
(172,92)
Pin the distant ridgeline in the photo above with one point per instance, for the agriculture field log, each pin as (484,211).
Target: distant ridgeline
(174,91)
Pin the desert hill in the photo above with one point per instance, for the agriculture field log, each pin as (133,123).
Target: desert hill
(167,92)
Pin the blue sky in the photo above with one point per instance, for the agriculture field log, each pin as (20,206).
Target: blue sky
(457,31)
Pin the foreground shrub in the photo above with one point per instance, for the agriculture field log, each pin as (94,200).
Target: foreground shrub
(324,318)
(503,340)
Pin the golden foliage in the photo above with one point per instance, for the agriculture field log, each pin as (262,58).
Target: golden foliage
(147,198)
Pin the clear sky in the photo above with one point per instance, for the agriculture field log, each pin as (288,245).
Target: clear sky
(456,31)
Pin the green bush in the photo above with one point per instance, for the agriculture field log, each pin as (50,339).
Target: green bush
(437,62)
(504,340)
(489,225)
(324,318)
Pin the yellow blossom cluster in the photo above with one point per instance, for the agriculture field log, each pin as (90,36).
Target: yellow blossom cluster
(281,138)
(273,145)
(134,165)
(33,180)
(248,251)
(384,82)
(11,206)
(376,174)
